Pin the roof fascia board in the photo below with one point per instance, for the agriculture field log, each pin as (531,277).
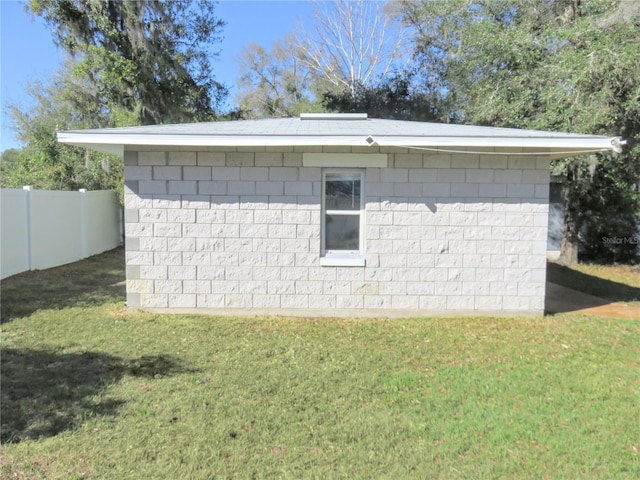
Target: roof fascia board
(208,140)
(566,143)
(115,142)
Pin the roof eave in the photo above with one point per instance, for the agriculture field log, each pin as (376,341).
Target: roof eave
(558,147)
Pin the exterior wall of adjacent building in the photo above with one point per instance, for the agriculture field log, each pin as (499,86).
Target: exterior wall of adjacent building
(240,229)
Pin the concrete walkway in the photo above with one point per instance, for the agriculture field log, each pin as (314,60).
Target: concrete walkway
(561,299)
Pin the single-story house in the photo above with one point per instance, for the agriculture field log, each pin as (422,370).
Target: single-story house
(336,214)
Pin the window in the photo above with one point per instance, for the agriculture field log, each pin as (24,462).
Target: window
(342,229)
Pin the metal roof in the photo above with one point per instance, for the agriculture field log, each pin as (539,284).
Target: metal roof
(336,130)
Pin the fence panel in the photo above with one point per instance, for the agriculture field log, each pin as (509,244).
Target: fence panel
(43,229)
(55,228)
(14,232)
(103,222)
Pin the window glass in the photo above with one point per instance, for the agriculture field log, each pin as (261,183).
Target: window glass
(342,212)
(342,192)
(342,232)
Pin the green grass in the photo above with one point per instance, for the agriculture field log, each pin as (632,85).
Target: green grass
(90,390)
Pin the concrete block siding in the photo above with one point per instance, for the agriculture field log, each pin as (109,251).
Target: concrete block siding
(240,229)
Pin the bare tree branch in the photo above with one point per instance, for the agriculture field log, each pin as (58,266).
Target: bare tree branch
(354,44)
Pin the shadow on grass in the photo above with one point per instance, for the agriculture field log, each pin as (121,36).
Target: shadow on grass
(46,392)
(91,282)
(598,291)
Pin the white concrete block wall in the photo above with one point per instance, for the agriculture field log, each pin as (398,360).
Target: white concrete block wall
(241,229)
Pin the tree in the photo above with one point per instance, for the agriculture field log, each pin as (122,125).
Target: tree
(394,98)
(353,49)
(568,65)
(9,162)
(354,44)
(274,83)
(148,57)
(43,162)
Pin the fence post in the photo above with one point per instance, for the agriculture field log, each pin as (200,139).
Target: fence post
(121,225)
(27,188)
(83,223)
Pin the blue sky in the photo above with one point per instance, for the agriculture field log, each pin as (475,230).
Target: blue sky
(28,52)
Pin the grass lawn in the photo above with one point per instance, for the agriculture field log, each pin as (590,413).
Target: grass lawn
(90,390)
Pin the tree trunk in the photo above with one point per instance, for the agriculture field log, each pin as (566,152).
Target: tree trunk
(570,242)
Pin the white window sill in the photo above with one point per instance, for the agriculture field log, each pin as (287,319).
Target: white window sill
(338,261)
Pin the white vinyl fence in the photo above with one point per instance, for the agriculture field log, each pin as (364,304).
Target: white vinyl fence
(42,229)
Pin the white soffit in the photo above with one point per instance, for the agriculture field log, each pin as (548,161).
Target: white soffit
(111,148)
(354,160)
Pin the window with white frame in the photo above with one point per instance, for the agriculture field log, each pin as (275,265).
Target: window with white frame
(342,216)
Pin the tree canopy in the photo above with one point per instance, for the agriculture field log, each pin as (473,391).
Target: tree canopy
(353,49)
(394,98)
(43,162)
(276,82)
(353,44)
(147,57)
